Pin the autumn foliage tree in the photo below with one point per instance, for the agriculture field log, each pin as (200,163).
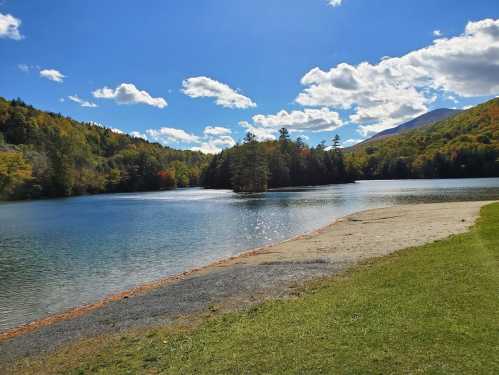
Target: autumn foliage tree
(44,154)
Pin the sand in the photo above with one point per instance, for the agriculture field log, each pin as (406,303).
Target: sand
(237,282)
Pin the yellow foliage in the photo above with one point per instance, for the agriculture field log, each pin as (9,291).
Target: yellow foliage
(14,171)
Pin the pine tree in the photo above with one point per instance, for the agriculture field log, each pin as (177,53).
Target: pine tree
(336,142)
(250,169)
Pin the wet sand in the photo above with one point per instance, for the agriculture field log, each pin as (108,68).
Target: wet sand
(268,272)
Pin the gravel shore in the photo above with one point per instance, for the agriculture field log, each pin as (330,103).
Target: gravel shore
(268,272)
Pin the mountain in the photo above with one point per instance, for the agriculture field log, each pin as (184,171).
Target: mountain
(428,118)
(45,154)
(463,145)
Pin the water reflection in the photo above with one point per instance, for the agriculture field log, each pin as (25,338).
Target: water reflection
(56,254)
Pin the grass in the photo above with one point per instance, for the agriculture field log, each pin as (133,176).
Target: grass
(432,309)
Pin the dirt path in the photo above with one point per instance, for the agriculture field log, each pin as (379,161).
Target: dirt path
(251,277)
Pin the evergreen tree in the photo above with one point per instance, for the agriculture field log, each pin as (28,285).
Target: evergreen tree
(250,173)
(336,142)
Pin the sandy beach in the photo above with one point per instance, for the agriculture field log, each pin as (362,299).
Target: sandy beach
(249,278)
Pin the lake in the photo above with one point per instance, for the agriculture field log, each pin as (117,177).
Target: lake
(61,253)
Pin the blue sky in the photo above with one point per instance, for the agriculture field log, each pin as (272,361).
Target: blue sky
(200,73)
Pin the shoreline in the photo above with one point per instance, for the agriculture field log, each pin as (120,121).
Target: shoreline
(148,286)
(264,272)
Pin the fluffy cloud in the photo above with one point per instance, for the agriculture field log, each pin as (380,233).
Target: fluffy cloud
(215,145)
(399,88)
(225,96)
(171,135)
(261,134)
(335,3)
(127,93)
(213,140)
(216,131)
(437,33)
(315,120)
(9,27)
(264,127)
(137,134)
(81,102)
(52,75)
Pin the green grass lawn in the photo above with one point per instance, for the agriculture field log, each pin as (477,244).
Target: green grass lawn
(432,309)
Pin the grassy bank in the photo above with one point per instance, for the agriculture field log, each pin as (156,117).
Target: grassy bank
(432,309)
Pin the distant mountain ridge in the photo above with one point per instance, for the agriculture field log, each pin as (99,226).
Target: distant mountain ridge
(464,145)
(428,118)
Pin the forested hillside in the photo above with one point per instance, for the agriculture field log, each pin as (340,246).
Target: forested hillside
(257,166)
(47,155)
(428,118)
(465,145)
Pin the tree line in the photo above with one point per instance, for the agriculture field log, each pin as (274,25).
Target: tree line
(44,154)
(257,166)
(466,145)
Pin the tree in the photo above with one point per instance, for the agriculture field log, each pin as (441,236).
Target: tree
(278,169)
(14,172)
(300,145)
(249,138)
(336,142)
(250,169)
(283,135)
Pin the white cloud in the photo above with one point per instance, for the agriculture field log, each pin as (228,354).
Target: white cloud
(225,96)
(117,131)
(81,102)
(397,89)
(315,120)
(9,27)
(52,75)
(171,135)
(127,93)
(437,33)
(261,134)
(216,130)
(213,140)
(264,127)
(335,3)
(137,134)
(215,145)
(206,148)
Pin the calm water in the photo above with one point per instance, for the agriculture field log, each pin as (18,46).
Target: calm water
(57,254)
